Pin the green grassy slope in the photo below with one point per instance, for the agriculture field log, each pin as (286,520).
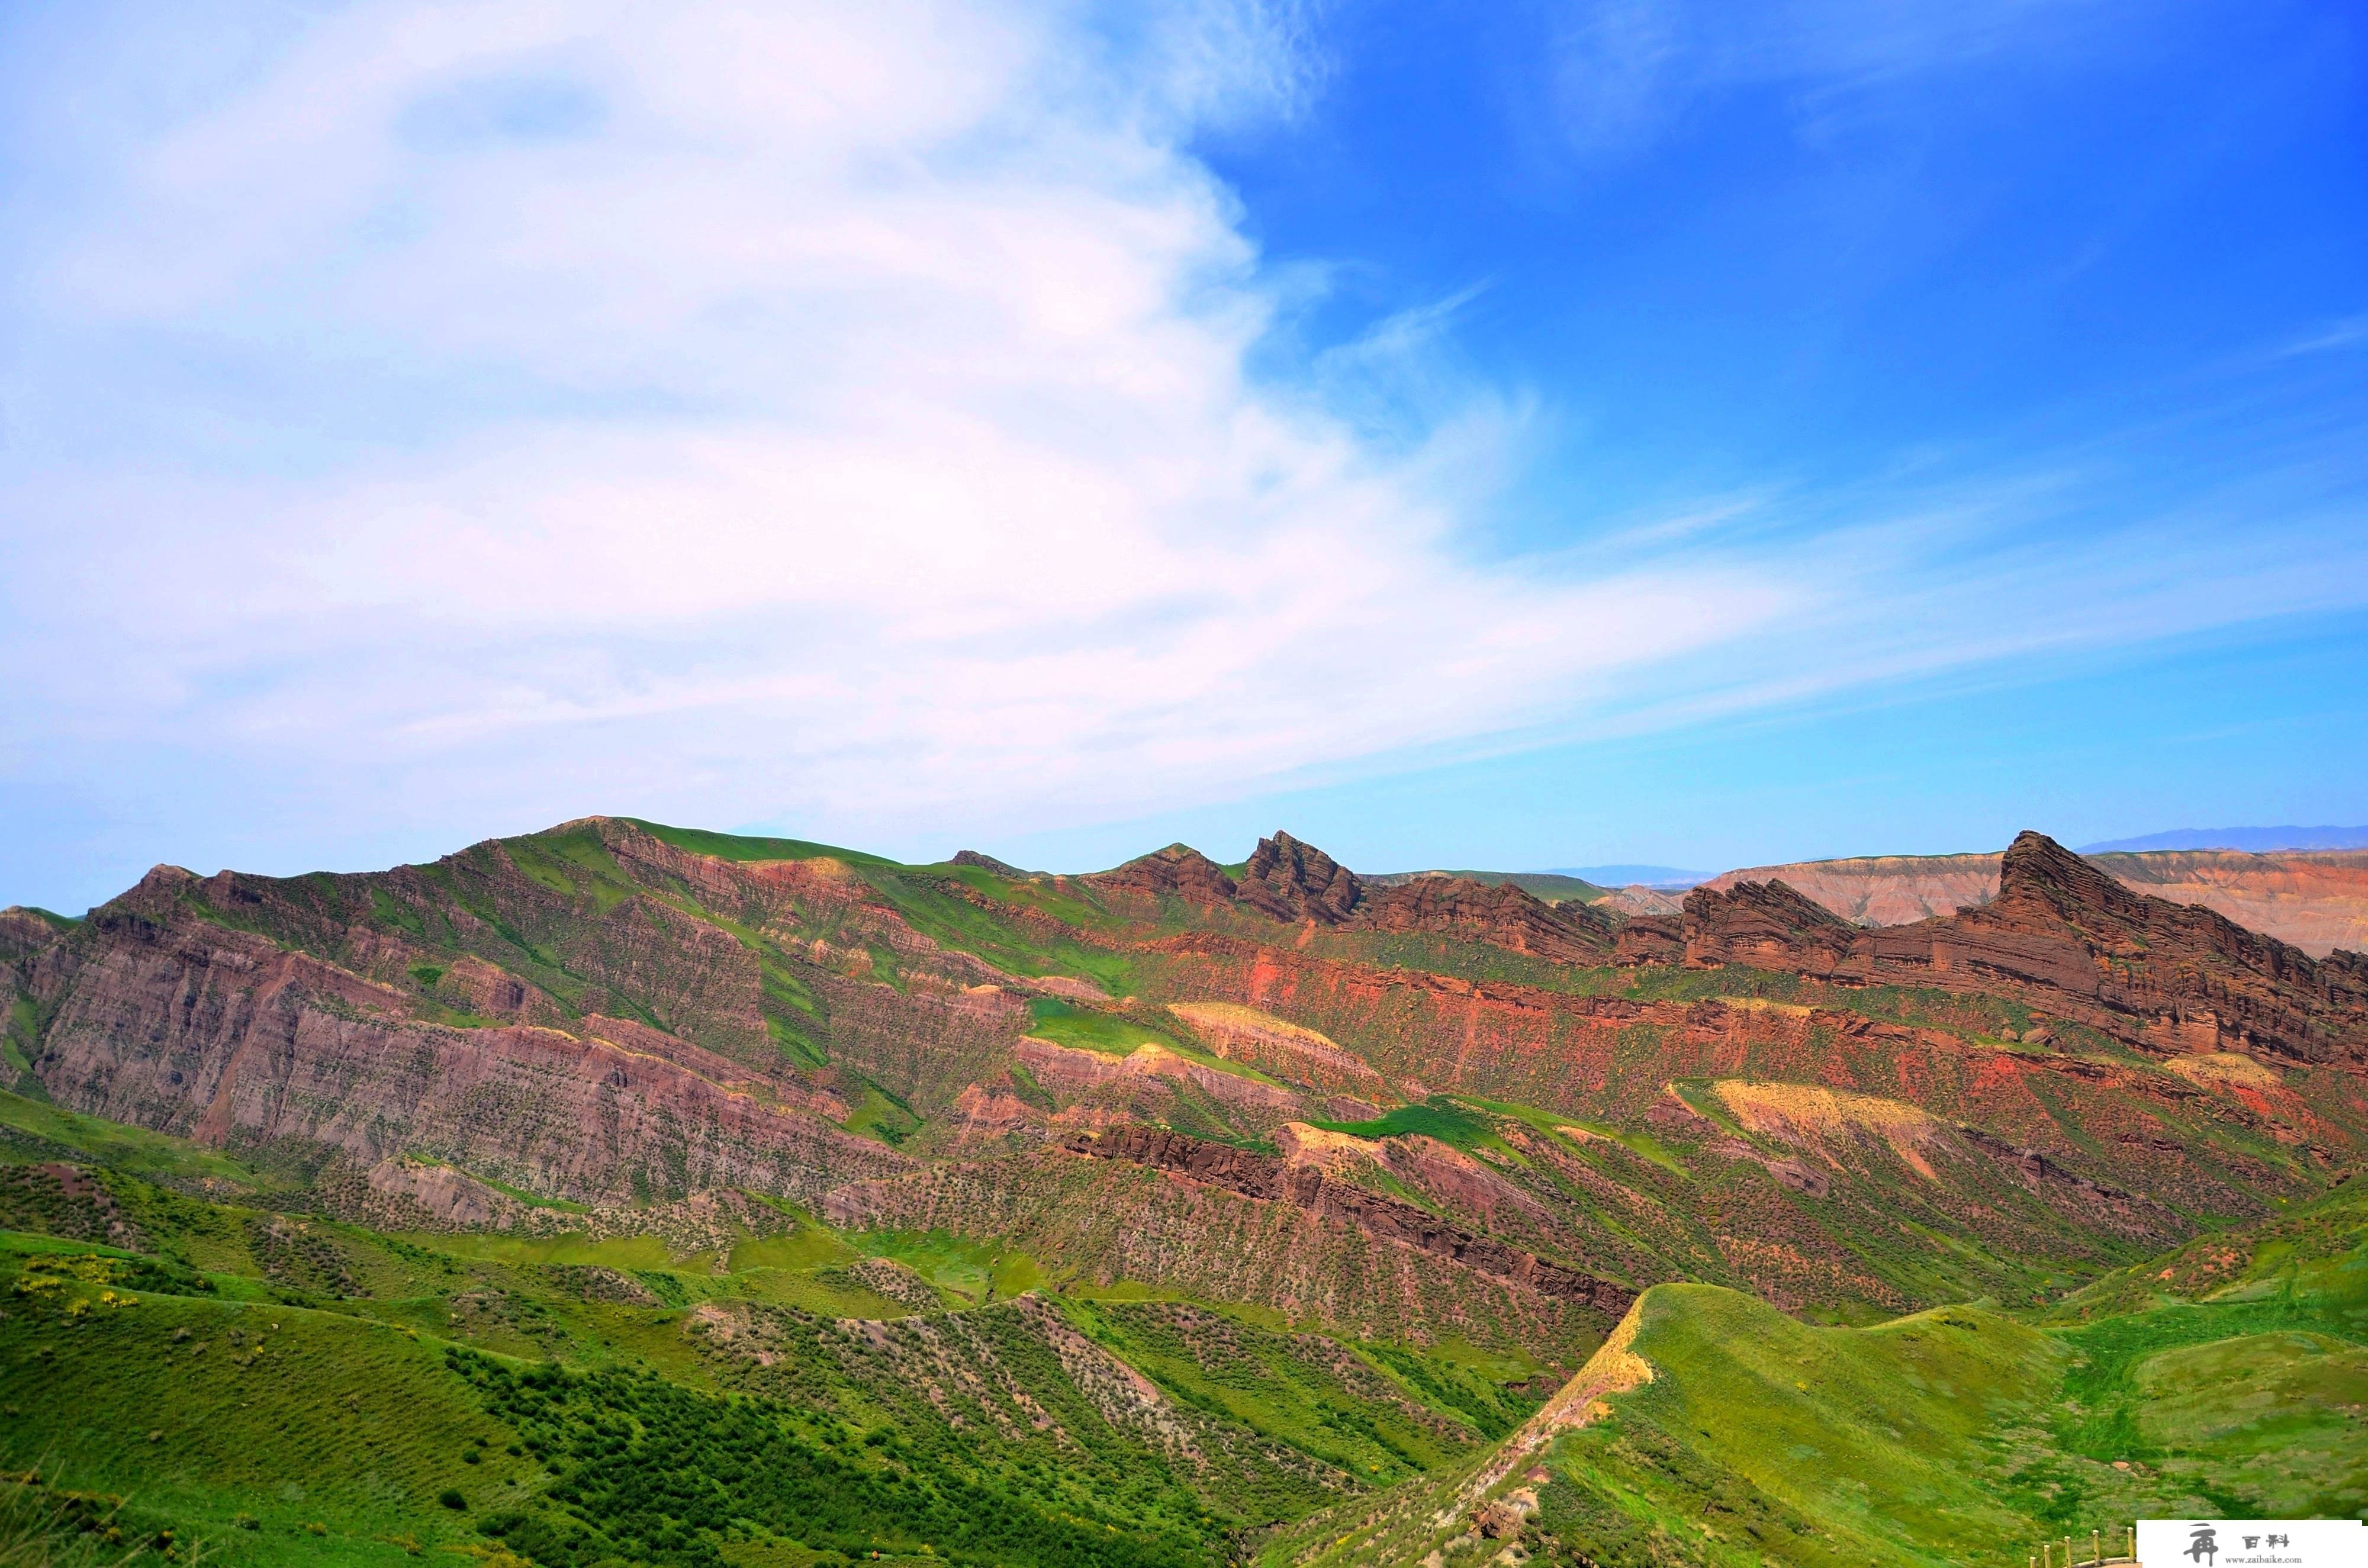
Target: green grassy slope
(289,1388)
(1956,1435)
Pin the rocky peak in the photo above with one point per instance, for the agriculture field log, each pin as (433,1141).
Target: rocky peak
(1767,924)
(987,863)
(1179,870)
(1292,880)
(2044,888)
(2037,872)
(1775,905)
(1502,914)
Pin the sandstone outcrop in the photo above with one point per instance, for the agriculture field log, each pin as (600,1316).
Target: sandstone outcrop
(2316,900)
(1501,914)
(168,1019)
(1178,871)
(1883,890)
(2062,935)
(641,1021)
(1292,881)
(1307,1185)
(1764,925)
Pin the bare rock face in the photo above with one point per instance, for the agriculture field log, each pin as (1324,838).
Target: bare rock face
(1883,890)
(174,1022)
(1765,925)
(1292,881)
(1286,1050)
(1178,871)
(24,932)
(1650,939)
(2173,975)
(2065,936)
(1305,1186)
(1503,914)
(2316,900)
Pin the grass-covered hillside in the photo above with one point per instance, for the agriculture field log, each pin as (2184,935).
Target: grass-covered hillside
(287,1386)
(630,1195)
(2227,1379)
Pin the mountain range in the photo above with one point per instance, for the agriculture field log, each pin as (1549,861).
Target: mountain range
(2256,839)
(624,1193)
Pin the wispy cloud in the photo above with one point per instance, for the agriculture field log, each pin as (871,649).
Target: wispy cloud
(470,416)
(2349,333)
(1622,73)
(850,417)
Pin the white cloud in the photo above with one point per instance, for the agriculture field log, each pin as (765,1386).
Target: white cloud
(874,439)
(470,416)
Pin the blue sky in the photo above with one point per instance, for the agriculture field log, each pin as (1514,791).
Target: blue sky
(1533,434)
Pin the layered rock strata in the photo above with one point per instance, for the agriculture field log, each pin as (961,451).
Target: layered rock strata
(2062,935)
(1308,1186)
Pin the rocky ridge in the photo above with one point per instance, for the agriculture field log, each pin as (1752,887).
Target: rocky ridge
(2316,900)
(1429,1100)
(2062,935)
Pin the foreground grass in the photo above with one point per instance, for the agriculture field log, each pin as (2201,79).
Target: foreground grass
(1959,1436)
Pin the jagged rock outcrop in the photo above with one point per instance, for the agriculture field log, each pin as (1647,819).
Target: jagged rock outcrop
(1883,890)
(1650,939)
(613,1014)
(1502,914)
(987,863)
(1765,925)
(1292,881)
(1288,880)
(1178,871)
(2062,935)
(2173,975)
(1254,1175)
(2316,900)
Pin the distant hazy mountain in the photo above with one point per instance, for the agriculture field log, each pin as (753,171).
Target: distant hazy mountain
(2255,839)
(1629,876)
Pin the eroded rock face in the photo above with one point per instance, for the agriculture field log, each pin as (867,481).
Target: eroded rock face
(2063,935)
(1883,890)
(1503,914)
(172,1022)
(2316,900)
(1308,1186)
(1292,881)
(1765,925)
(1277,1046)
(1178,871)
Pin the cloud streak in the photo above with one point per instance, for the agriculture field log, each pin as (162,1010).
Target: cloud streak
(464,417)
